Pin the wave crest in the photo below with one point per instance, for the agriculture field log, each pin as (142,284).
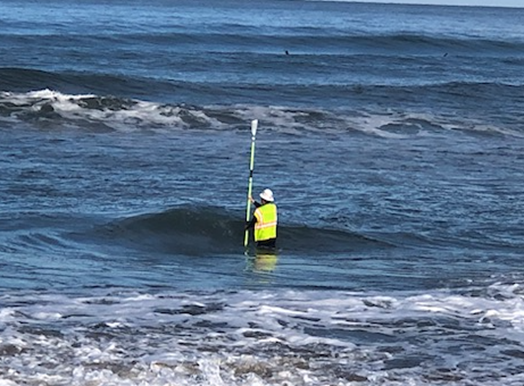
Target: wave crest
(209,230)
(47,108)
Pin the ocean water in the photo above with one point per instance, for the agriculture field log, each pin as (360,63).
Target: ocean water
(391,135)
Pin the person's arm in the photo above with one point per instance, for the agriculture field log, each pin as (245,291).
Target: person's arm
(251,224)
(257,204)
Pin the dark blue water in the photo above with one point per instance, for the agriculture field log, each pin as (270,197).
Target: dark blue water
(391,135)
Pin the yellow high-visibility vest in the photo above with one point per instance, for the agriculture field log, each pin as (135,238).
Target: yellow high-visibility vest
(266,225)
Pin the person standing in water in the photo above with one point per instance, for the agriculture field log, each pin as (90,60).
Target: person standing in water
(264,220)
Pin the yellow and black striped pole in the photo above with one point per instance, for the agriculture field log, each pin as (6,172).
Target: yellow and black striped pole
(254,125)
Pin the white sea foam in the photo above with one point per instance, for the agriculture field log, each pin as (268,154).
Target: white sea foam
(266,338)
(130,115)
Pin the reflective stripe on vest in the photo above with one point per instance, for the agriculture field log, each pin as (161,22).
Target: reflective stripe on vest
(266,225)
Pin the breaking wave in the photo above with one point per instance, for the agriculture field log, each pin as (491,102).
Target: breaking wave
(91,112)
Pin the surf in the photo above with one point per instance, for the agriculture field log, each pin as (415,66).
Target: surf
(209,230)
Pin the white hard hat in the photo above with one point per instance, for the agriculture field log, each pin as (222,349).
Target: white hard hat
(267,195)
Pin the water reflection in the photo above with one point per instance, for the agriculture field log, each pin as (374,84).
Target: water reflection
(263,260)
